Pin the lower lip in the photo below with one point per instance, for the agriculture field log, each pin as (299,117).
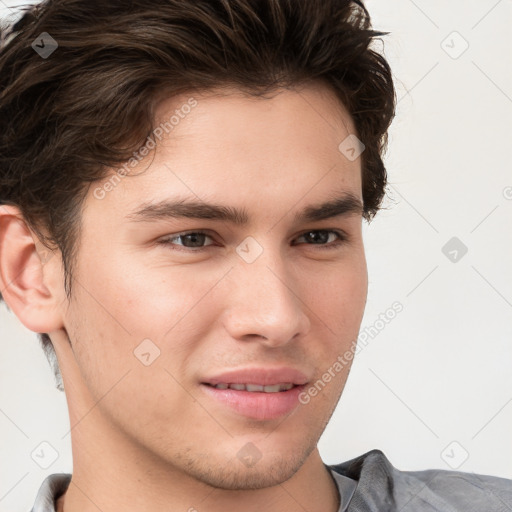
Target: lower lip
(257,405)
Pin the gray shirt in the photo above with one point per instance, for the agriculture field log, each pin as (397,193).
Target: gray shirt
(369,483)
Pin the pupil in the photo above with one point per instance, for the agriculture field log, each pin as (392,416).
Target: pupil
(318,236)
(197,239)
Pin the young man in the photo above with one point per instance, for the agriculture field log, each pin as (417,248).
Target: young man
(183,186)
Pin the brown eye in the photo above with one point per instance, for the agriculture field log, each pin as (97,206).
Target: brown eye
(323,237)
(190,240)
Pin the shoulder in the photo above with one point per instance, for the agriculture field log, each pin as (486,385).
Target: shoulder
(381,486)
(52,487)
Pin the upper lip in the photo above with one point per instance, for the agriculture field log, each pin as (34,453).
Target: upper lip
(259,376)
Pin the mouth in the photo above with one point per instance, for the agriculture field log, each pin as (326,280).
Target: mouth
(255,401)
(254,388)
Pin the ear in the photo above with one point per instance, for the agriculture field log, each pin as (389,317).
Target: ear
(26,266)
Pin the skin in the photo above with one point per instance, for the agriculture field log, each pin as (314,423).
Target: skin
(146,437)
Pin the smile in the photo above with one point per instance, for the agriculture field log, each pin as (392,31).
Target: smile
(276,388)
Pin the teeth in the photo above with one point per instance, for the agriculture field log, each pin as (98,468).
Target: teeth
(275,388)
(254,387)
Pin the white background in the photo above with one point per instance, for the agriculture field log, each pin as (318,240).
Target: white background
(434,386)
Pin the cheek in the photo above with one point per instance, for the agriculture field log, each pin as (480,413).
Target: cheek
(113,370)
(338,295)
(139,300)
(337,308)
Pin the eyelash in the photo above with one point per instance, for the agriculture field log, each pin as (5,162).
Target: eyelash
(342,238)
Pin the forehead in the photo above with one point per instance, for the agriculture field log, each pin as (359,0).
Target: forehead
(237,148)
(237,119)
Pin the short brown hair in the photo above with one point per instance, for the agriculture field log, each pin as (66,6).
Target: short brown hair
(66,119)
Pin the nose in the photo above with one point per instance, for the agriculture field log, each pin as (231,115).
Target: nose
(263,304)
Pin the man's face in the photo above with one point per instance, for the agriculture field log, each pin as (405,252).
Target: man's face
(276,291)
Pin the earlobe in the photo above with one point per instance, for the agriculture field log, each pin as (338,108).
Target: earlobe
(22,272)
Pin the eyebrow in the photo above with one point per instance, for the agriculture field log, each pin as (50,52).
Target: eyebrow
(344,205)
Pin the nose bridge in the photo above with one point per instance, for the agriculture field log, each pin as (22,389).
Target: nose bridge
(263,302)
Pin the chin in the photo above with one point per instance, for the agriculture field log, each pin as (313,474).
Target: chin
(219,471)
(236,477)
